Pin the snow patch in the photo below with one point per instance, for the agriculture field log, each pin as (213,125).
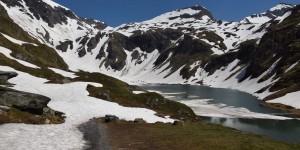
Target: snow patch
(290,99)
(291,67)
(64,73)
(202,108)
(19,42)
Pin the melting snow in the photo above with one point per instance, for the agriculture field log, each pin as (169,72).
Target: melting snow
(73,100)
(64,73)
(291,67)
(290,99)
(202,107)
(19,42)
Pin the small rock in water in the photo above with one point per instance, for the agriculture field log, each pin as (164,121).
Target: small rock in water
(111,118)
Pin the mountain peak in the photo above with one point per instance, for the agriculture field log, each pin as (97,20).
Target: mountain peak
(188,13)
(202,12)
(276,11)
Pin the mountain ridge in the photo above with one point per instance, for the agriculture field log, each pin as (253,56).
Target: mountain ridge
(149,51)
(64,57)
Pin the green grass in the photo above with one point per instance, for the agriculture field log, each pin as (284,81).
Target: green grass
(42,55)
(42,73)
(17,116)
(190,136)
(121,93)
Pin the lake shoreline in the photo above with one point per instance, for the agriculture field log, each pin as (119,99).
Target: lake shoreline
(294,112)
(214,101)
(189,134)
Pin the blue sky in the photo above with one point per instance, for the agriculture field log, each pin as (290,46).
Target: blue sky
(116,12)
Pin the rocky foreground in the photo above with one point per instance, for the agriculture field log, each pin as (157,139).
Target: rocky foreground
(22,107)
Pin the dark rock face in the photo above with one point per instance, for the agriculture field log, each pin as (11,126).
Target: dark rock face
(111,118)
(24,101)
(94,41)
(81,52)
(151,40)
(101,54)
(96,24)
(43,11)
(52,16)
(65,45)
(11,3)
(4,76)
(139,121)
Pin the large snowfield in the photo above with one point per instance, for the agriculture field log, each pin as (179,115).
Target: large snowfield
(73,100)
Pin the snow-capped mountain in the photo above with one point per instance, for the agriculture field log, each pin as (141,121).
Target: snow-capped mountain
(183,46)
(44,42)
(272,13)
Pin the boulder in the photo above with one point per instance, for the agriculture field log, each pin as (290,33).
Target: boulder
(3,109)
(24,101)
(176,122)
(6,75)
(111,118)
(105,96)
(139,120)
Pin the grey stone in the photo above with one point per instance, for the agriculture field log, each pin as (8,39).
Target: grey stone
(111,118)
(48,111)
(176,122)
(3,109)
(47,121)
(22,100)
(6,75)
(139,120)
(104,96)
(65,45)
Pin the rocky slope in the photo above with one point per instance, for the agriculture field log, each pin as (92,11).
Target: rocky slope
(257,54)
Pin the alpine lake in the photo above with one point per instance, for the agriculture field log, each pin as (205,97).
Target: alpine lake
(229,107)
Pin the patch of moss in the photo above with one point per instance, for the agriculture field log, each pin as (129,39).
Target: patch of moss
(41,55)
(294,112)
(17,116)
(120,93)
(42,73)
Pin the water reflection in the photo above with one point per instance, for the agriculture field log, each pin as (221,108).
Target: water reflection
(213,100)
(284,130)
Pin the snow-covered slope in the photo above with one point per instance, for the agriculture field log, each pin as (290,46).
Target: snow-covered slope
(73,100)
(274,12)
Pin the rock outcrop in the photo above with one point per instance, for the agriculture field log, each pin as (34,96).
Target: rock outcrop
(24,101)
(5,75)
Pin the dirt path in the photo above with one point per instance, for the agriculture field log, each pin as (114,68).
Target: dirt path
(96,134)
